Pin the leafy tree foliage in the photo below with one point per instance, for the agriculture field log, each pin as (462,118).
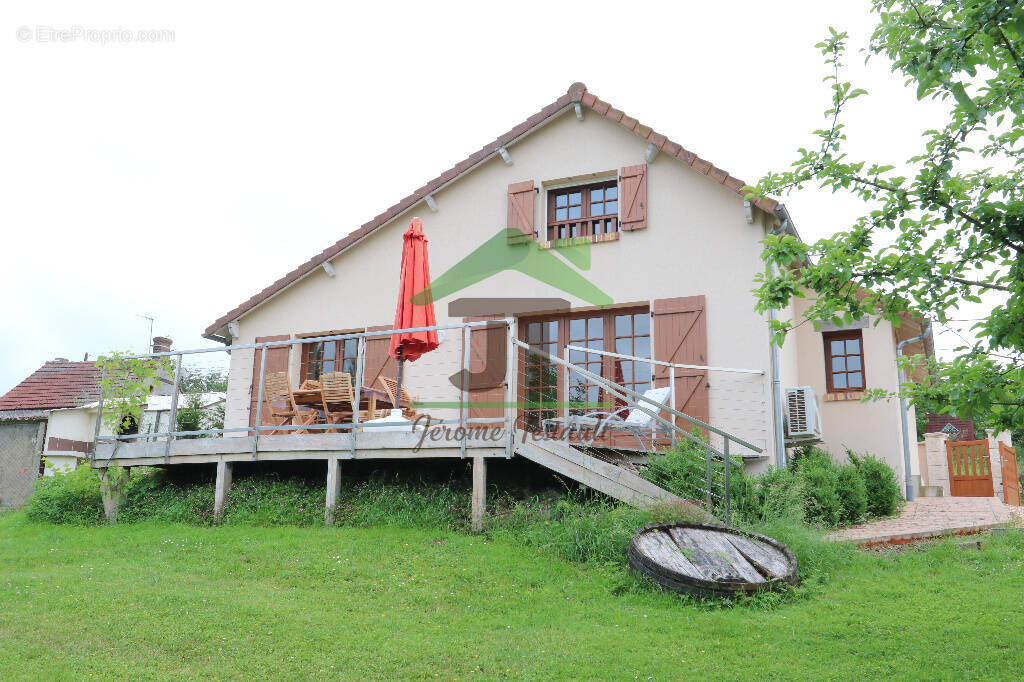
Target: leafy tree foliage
(948,226)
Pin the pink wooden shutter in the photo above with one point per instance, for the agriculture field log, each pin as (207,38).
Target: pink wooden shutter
(520,209)
(487,368)
(681,336)
(277,361)
(633,181)
(377,360)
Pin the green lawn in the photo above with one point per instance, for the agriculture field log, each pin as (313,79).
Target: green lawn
(155,601)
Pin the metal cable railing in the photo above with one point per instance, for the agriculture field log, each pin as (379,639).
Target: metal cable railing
(717,479)
(453,399)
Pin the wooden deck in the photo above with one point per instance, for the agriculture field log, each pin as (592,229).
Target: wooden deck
(333,448)
(313,446)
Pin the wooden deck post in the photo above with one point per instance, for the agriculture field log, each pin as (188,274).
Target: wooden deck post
(333,488)
(110,490)
(479,507)
(223,486)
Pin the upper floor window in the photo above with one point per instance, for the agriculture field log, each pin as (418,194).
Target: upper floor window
(322,357)
(844,360)
(583,211)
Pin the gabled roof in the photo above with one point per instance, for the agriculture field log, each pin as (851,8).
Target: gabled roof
(58,383)
(577,93)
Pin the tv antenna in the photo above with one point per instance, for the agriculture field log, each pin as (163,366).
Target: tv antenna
(149,345)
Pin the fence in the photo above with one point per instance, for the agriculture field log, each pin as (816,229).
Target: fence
(447,373)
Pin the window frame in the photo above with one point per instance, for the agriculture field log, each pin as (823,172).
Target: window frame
(586,220)
(844,335)
(609,338)
(338,359)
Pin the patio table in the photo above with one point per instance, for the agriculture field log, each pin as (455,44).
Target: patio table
(369,398)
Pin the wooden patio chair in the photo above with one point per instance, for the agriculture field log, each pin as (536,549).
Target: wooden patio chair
(390,386)
(277,393)
(336,391)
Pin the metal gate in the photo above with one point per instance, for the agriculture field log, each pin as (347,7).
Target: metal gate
(1011,479)
(970,468)
(20,443)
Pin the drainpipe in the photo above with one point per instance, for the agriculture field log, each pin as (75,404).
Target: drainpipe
(903,409)
(785,226)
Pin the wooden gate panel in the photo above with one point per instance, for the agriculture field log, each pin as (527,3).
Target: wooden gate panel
(1011,477)
(970,468)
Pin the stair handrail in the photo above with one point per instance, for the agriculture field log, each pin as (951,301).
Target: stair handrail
(661,407)
(621,392)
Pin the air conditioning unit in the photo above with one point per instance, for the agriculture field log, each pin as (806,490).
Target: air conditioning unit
(803,418)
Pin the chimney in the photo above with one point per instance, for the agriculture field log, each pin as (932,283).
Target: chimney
(161,344)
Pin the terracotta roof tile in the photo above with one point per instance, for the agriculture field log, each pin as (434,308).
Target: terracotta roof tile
(577,93)
(58,383)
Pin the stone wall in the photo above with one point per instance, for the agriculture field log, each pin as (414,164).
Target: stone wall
(938,466)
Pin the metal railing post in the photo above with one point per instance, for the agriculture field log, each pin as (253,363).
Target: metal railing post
(258,420)
(173,425)
(672,397)
(467,346)
(96,430)
(511,386)
(566,374)
(728,490)
(358,391)
(707,461)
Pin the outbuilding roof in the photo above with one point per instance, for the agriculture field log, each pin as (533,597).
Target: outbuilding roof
(58,383)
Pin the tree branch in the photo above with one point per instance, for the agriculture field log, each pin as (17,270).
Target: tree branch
(1013,53)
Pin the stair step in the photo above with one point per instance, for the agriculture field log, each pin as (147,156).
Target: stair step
(602,476)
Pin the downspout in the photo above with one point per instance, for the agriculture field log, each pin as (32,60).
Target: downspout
(785,226)
(903,409)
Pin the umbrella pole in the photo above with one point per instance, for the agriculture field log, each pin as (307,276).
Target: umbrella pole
(398,382)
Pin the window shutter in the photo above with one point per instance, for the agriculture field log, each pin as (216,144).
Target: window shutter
(377,361)
(633,206)
(681,336)
(277,361)
(487,359)
(520,209)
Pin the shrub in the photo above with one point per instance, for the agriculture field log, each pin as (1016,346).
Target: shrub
(822,504)
(682,470)
(71,497)
(777,494)
(882,488)
(853,495)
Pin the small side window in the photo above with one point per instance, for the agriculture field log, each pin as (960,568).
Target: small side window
(844,361)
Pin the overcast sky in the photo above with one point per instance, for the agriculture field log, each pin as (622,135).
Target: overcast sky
(176,178)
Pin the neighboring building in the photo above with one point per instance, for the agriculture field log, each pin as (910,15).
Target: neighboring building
(40,415)
(672,242)
(52,414)
(156,418)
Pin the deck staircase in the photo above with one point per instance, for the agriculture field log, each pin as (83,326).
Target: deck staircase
(605,477)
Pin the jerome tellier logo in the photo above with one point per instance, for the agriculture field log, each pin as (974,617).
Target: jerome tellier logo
(511,250)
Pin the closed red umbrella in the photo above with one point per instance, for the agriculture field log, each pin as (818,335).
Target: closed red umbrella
(415,278)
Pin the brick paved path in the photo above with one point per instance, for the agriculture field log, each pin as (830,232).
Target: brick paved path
(928,517)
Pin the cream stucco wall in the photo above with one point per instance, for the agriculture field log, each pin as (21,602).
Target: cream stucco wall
(74,424)
(697,242)
(874,426)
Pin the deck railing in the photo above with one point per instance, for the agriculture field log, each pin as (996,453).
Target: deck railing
(717,461)
(463,419)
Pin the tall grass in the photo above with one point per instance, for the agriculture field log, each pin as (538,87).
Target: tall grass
(575,524)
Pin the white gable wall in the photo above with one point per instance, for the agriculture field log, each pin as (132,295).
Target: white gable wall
(697,242)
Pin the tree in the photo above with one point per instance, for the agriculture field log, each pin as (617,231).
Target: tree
(951,228)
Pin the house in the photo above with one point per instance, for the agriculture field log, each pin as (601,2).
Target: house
(52,415)
(40,415)
(586,228)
